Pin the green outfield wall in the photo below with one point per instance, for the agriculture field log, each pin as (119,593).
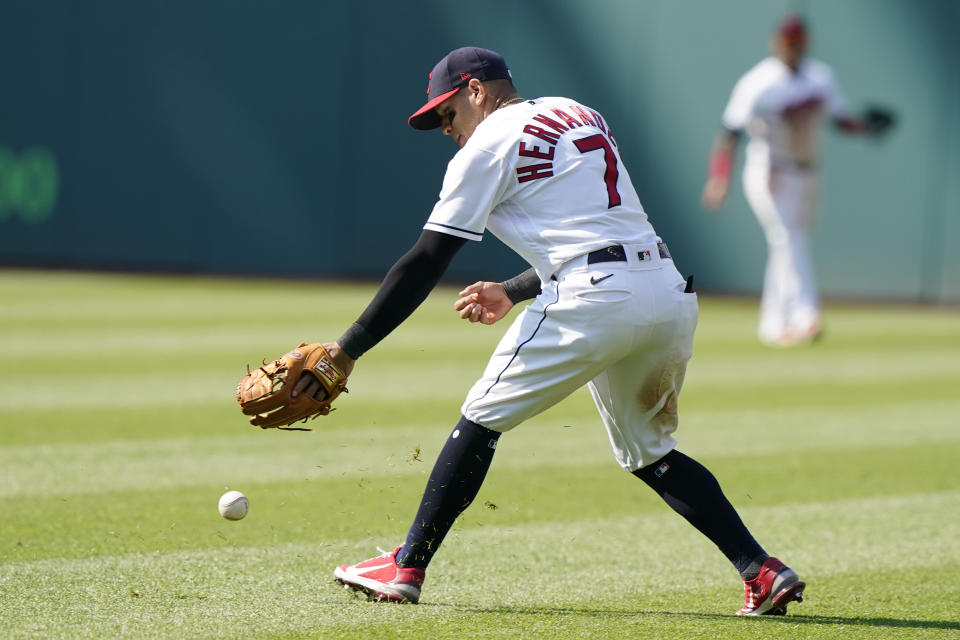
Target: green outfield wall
(254,137)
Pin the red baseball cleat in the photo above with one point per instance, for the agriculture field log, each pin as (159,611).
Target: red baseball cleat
(382,579)
(772,590)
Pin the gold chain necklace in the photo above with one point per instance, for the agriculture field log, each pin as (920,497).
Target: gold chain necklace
(507,103)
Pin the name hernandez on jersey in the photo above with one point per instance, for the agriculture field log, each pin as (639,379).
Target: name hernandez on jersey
(545,177)
(545,170)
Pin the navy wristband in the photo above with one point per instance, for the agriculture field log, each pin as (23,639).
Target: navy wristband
(522,287)
(356,341)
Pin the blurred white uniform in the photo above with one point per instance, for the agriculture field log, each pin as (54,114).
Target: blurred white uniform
(782,112)
(546,178)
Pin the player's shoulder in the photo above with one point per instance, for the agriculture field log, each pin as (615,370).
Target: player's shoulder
(758,77)
(546,102)
(570,103)
(498,133)
(756,80)
(556,111)
(768,68)
(567,110)
(552,101)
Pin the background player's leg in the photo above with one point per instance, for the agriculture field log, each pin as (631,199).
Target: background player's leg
(454,482)
(803,310)
(784,205)
(777,280)
(693,492)
(774,298)
(798,203)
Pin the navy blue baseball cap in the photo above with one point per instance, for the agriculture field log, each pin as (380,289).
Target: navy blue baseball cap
(452,74)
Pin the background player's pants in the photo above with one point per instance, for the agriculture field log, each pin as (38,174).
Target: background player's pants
(628,336)
(784,201)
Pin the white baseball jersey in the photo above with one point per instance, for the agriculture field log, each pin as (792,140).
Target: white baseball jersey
(546,178)
(516,176)
(781,110)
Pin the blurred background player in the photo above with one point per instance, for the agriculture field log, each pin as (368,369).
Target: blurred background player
(780,103)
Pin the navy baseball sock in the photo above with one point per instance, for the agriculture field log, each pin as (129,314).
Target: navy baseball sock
(454,482)
(693,492)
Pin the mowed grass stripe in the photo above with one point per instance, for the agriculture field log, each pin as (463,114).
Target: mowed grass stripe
(251,454)
(730,316)
(107,323)
(919,524)
(206,352)
(139,382)
(747,424)
(363,503)
(187,335)
(41,293)
(651,564)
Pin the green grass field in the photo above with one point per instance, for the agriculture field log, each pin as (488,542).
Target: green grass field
(120,431)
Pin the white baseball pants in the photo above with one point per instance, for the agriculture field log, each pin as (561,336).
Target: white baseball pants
(784,201)
(623,328)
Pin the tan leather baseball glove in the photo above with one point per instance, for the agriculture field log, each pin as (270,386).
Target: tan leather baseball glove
(264,393)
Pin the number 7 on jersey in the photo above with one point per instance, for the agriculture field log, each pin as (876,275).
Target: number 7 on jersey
(612,174)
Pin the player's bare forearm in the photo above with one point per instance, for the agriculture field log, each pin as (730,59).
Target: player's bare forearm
(875,121)
(718,176)
(849,125)
(727,139)
(483,302)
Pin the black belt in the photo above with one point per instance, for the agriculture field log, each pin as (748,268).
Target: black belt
(616,253)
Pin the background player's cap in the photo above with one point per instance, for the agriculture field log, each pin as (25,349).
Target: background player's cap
(454,72)
(792,28)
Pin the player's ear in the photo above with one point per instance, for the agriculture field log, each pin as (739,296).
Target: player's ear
(476,92)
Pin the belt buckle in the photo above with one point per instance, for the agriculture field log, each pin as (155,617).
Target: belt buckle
(613,253)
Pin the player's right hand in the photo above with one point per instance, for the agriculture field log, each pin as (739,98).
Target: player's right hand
(483,302)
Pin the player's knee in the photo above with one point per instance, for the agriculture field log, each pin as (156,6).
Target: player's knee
(475,429)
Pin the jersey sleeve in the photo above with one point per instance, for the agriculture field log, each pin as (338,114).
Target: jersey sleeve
(837,104)
(473,186)
(405,287)
(739,108)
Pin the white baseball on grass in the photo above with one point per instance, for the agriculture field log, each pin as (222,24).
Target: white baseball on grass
(233,505)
